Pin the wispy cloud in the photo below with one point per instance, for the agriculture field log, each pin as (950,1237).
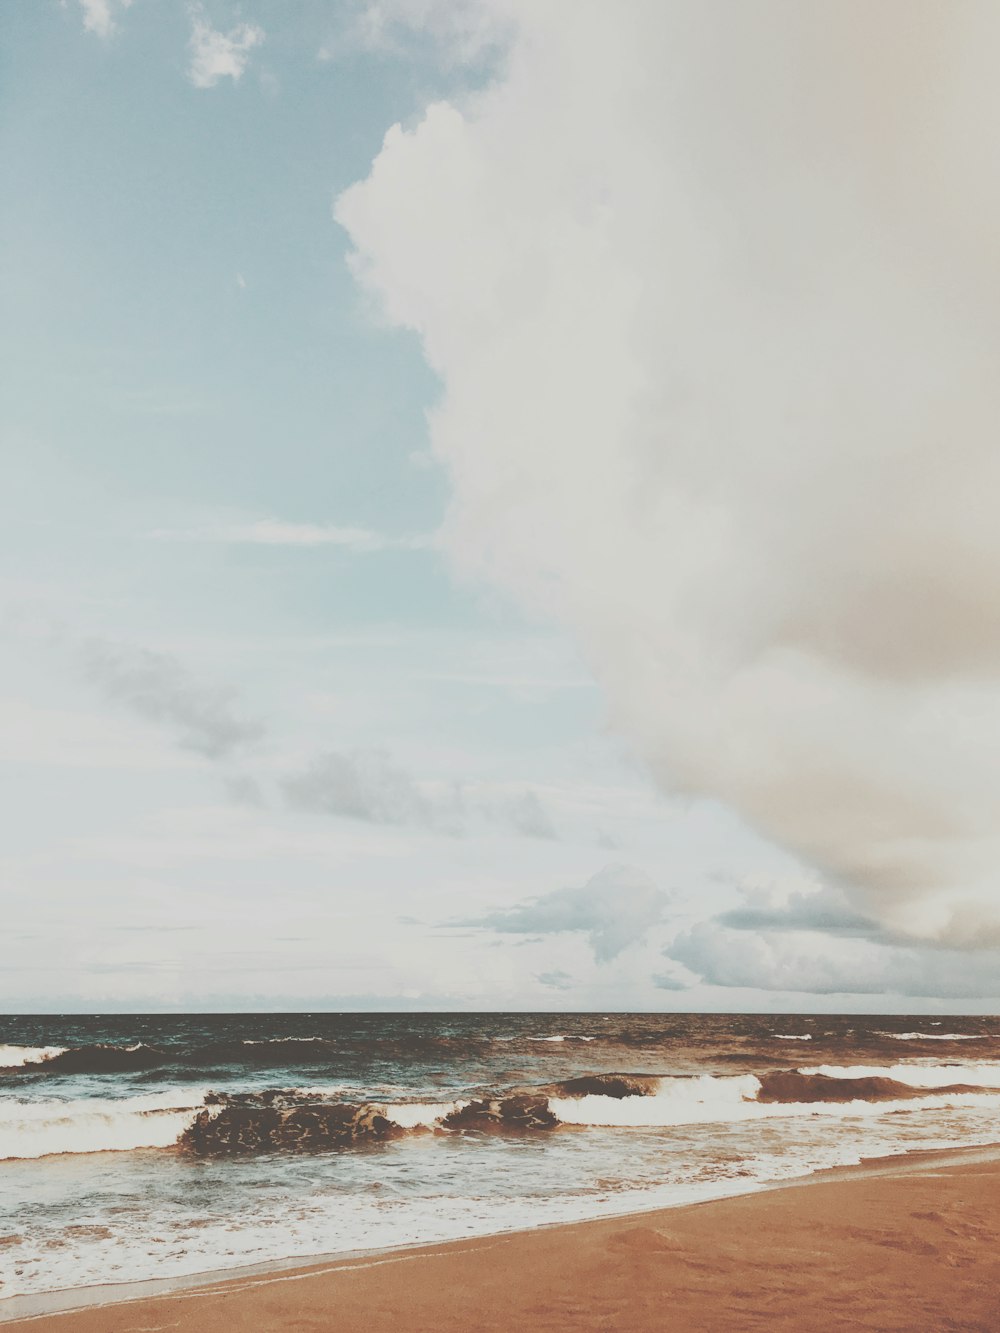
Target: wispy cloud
(277,532)
(155,686)
(365,784)
(369,784)
(614,909)
(99,15)
(529,816)
(463,30)
(219,55)
(557,980)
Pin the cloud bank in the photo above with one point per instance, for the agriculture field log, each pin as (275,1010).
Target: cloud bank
(711,290)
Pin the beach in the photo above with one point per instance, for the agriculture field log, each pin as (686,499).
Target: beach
(907,1244)
(138,1149)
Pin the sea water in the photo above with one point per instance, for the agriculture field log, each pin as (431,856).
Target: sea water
(105,1175)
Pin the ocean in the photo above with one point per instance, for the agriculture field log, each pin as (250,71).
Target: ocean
(144,1146)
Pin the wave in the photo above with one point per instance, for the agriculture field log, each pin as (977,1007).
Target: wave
(981,1073)
(715,1099)
(105,1058)
(563,1036)
(95,1059)
(784,1036)
(932,1036)
(206,1123)
(609,1085)
(276,1052)
(281,1041)
(16,1057)
(40,1129)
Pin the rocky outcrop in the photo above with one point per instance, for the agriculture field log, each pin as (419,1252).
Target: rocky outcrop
(243,1128)
(520,1112)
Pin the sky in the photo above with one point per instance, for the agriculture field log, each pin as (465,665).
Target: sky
(499,506)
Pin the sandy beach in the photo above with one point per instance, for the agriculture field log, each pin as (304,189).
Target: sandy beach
(902,1245)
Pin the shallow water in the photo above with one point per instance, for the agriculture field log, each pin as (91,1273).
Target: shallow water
(96,1187)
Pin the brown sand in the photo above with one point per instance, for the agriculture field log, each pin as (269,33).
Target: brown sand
(906,1247)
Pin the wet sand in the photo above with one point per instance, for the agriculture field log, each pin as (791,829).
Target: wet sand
(911,1244)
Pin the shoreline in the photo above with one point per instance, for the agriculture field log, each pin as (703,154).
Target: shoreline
(95,1309)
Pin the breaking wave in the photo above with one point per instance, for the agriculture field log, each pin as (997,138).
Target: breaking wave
(302,1120)
(86,1125)
(933,1036)
(16,1057)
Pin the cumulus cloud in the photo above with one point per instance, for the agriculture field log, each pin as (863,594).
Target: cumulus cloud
(716,332)
(99,15)
(216,55)
(614,909)
(155,686)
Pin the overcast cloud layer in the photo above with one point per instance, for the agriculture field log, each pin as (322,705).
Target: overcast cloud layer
(712,292)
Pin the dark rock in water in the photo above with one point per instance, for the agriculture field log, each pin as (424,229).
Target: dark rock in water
(610,1085)
(233,1129)
(522,1111)
(241,1128)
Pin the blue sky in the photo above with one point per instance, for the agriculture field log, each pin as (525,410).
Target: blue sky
(274,738)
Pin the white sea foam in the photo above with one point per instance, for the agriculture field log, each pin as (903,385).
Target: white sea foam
(931,1036)
(14,1057)
(563,1036)
(280,1041)
(86,1125)
(708,1099)
(781,1036)
(174,1242)
(982,1074)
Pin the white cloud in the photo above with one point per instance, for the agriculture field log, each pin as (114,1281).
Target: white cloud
(615,908)
(219,55)
(711,290)
(462,30)
(99,15)
(277,532)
